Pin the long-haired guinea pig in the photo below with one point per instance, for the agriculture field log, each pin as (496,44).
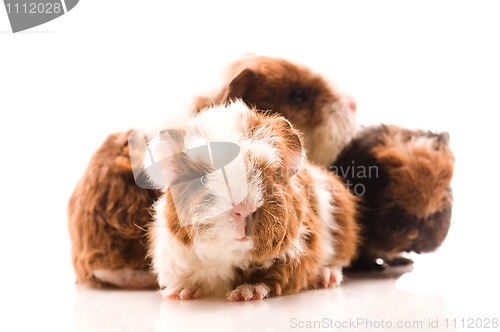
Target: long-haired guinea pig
(324,115)
(243,213)
(107,217)
(403,179)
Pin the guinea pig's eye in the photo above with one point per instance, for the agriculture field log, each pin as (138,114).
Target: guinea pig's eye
(203,180)
(253,215)
(297,97)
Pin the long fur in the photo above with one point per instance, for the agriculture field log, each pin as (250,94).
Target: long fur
(303,220)
(403,179)
(107,206)
(108,215)
(324,114)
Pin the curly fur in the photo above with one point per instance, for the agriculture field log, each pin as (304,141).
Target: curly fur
(324,115)
(300,224)
(108,215)
(403,178)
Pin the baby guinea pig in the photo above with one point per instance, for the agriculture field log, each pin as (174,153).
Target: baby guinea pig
(403,179)
(324,115)
(107,217)
(243,213)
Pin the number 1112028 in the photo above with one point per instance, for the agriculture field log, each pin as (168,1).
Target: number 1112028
(34,8)
(472,323)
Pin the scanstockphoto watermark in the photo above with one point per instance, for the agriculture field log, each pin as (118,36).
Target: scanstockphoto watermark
(26,14)
(364,323)
(360,323)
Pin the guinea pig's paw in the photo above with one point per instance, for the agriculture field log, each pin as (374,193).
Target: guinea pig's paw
(180,293)
(329,277)
(248,292)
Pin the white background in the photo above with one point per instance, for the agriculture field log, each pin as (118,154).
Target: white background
(110,65)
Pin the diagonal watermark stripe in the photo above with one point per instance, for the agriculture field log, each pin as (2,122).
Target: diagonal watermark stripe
(215,165)
(26,14)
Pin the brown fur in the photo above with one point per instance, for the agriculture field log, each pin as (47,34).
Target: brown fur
(322,113)
(99,200)
(108,214)
(406,204)
(290,201)
(292,276)
(419,175)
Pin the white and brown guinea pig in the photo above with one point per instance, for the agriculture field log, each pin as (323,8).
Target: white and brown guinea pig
(403,179)
(107,217)
(263,222)
(324,114)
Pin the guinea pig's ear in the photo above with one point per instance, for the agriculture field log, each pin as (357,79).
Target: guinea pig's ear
(240,85)
(292,148)
(161,155)
(174,138)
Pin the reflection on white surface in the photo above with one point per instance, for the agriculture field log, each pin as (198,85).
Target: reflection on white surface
(431,65)
(362,303)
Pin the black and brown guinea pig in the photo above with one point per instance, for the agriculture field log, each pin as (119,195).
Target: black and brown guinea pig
(403,179)
(108,215)
(243,214)
(325,115)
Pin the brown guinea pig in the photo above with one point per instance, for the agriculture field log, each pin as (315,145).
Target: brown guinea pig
(324,115)
(107,218)
(403,179)
(243,213)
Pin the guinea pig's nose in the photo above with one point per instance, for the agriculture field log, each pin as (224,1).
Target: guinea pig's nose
(353,106)
(243,212)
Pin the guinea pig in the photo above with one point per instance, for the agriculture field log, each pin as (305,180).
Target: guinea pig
(402,178)
(324,115)
(243,214)
(107,218)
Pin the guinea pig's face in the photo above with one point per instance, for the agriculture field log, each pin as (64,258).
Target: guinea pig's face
(228,178)
(420,168)
(300,95)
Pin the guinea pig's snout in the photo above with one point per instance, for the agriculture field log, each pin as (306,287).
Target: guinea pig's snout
(350,102)
(352,105)
(243,214)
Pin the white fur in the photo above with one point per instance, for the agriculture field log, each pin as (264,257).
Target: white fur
(205,264)
(323,143)
(262,152)
(297,248)
(207,267)
(423,141)
(221,123)
(209,264)
(126,278)
(325,212)
(415,141)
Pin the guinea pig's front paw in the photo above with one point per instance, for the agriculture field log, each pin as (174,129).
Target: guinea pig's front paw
(329,277)
(180,293)
(248,292)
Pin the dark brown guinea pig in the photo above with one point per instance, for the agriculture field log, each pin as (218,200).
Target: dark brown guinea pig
(403,177)
(107,218)
(324,115)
